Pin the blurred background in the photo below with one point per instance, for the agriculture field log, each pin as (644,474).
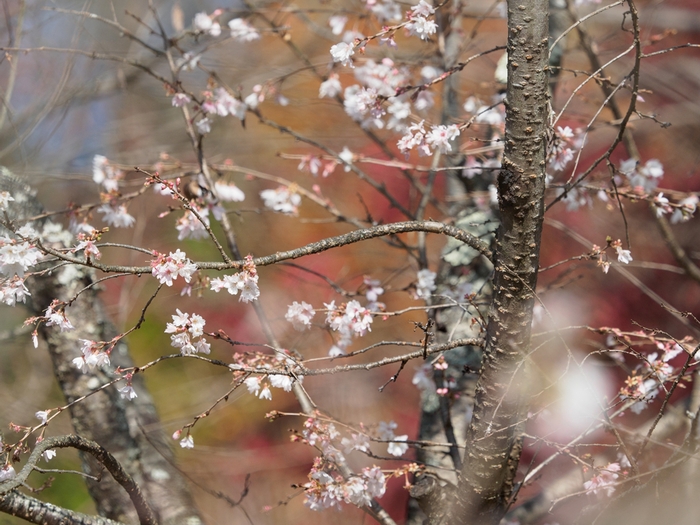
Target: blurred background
(61,107)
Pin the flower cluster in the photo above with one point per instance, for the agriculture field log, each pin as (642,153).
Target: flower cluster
(5,199)
(228,192)
(187,441)
(260,386)
(604,481)
(300,315)
(349,320)
(326,490)
(245,282)
(13,291)
(644,382)
(56,316)
(418,20)
(189,226)
(386,433)
(682,211)
(204,23)
(116,215)
(283,199)
(645,177)
(167,268)
(185,328)
(425,284)
(105,174)
(373,290)
(242,31)
(362,105)
(220,102)
(438,138)
(564,145)
(93,356)
(342,52)
(331,87)
(17,255)
(623,256)
(87,246)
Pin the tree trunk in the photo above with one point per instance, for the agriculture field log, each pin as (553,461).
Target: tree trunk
(493,443)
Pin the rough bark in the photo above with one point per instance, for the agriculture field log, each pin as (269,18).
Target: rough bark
(115,424)
(493,441)
(36,511)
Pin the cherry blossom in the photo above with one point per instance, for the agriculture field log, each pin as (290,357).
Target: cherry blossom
(245,282)
(604,482)
(93,356)
(89,248)
(623,256)
(686,210)
(13,291)
(282,199)
(220,102)
(105,174)
(5,199)
(425,284)
(386,433)
(660,205)
(168,268)
(645,176)
(229,192)
(440,137)
(331,87)
(300,315)
(127,392)
(204,125)
(422,9)
(57,318)
(337,23)
(16,257)
(342,52)
(257,387)
(184,328)
(355,442)
(189,226)
(180,100)
(422,27)
(116,215)
(187,442)
(311,163)
(281,381)
(188,61)
(372,292)
(385,10)
(42,415)
(203,23)
(347,157)
(242,31)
